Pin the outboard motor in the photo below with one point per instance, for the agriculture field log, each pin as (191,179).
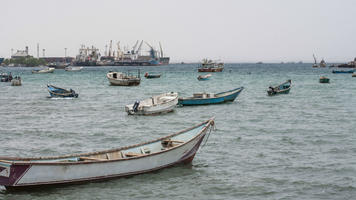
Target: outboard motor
(135,106)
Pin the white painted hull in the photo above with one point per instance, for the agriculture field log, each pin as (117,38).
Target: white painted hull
(152,109)
(41,171)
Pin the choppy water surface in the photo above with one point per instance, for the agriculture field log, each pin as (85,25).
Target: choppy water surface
(295,146)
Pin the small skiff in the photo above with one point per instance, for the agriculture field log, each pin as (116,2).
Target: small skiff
(324,79)
(55,91)
(16,81)
(204,77)
(43,71)
(147,75)
(342,71)
(73,69)
(206,98)
(283,88)
(121,79)
(180,147)
(162,103)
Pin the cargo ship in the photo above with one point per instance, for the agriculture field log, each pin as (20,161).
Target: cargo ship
(127,57)
(87,56)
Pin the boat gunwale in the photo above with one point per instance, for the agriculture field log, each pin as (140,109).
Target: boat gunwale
(27,161)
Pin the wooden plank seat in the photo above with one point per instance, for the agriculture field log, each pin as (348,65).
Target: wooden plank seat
(171,143)
(132,154)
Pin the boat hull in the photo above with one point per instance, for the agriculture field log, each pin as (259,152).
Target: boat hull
(207,101)
(342,71)
(213,69)
(324,80)
(132,82)
(19,175)
(154,110)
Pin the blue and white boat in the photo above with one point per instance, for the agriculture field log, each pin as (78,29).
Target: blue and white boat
(204,77)
(343,71)
(60,92)
(206,98)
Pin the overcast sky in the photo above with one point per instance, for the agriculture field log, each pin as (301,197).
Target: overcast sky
(189,30)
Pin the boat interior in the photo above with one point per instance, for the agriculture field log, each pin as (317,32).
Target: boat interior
(142,149)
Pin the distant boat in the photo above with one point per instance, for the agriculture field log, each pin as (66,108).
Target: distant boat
(5,77)
(16,81)
(43,71)
(351,64)
(324,79)
(342,71)
(353,75)
(283,88)
(259,63)
(178,148)
(162,103)
(147,75)
(321,64)
(73,69)
(121,79)
(204,77)
(206,98)
(210,66)
(61,92)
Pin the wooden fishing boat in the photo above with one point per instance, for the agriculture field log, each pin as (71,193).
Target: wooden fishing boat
(162,103)
(204,77)
(5,77)
(121,79)
(342,71)
(180,147)
(43,71)
(283,88)
(61,92)
(152,75)
(210,66)
(16,81)
(206,98)
(324,79)
(73,69)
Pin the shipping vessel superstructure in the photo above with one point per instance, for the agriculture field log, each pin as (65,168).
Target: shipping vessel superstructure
(87,56)
(135,56)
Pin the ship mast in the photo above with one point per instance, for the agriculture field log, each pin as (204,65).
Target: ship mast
(160,46)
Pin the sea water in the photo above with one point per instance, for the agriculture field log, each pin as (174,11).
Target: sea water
(295,146)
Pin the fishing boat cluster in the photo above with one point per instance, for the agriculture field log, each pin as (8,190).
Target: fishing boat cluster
(180,147)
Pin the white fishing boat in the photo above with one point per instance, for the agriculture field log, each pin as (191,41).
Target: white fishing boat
(73,69)
(16,81)
(180,147)
(162,103)
(43,71)
(123,79)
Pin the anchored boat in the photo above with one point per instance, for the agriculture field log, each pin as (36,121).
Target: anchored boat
(206,98)
(324,79)
(73,69)
(343,71)
(180,147)
(283,88)
(43,71)
(210,66)
(16,81)
(147,75)
(204,77)
(61,92)
(121,79)
(162,103)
